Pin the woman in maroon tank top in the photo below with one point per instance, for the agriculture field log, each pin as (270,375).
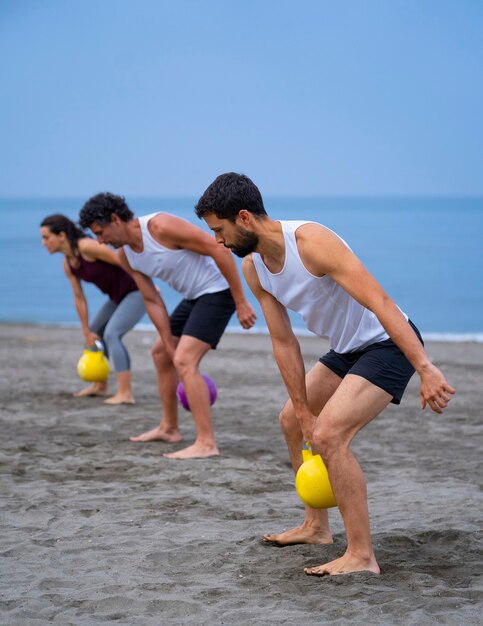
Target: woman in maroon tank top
(86,259)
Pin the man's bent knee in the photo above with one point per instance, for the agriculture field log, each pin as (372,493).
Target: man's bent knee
(328,440)
(183,363)
(289,423)
(159,354)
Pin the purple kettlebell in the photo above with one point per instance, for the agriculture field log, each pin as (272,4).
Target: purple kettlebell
(181,393)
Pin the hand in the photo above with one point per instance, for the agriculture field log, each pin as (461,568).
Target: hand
(435,390)
(245,313)
(170,350)
(307,424)
(91,339)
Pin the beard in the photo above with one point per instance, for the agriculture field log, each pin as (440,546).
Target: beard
(246,243)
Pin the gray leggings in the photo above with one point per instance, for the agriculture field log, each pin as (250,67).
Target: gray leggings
(112,322)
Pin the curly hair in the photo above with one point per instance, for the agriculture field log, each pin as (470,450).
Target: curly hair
(100,208)
(58,223)
(228,194)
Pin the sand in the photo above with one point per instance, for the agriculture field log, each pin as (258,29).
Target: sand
(96,529)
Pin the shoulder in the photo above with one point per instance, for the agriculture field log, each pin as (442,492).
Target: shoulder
(309,230)
(320,249)
(86,245)
(91,250)
(171,230)
(166,223)
(249,270)
(313,236)
(162,220)
(69,273)
(247,263)
(67,268)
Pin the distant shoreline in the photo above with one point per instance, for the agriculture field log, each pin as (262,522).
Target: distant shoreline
(448,337)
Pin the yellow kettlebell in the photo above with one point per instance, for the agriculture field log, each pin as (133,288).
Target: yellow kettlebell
(312,482)
(93,367)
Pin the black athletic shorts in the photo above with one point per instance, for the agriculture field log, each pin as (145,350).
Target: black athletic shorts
(382,364)
(205,317)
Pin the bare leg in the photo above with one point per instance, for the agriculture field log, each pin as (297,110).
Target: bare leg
(321,384)
(355,404)
(94,389)
(187,358)
(124,390)
(167,378)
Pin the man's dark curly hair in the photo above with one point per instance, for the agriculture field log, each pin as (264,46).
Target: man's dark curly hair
(228,194)
(100,208)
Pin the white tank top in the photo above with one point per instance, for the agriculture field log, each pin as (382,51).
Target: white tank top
(188,272)
(327,309)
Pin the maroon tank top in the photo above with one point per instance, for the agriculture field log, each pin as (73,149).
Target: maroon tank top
(111,279)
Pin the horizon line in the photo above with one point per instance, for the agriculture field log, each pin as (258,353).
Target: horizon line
(407,195)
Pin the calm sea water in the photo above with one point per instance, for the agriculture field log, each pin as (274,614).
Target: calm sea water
(426,252)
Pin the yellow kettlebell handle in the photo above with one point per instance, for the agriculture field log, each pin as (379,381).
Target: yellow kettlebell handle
(306,451)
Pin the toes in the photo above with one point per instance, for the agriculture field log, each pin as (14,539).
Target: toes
(315,571)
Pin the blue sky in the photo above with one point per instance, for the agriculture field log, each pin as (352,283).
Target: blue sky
(307,97)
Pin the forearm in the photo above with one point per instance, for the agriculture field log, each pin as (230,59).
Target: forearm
(292,369)
(435,391)
(227,267)
(83,313)
(159,316)
(403,335)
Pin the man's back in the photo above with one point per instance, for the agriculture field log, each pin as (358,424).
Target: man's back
(188,272)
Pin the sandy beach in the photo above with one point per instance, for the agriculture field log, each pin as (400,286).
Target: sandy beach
(96,529)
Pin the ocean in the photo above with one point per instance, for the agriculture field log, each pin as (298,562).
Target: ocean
(426,252)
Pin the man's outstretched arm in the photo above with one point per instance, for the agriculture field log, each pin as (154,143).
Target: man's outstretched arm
(182,234)
(286,348)
(324,253)
(155,307)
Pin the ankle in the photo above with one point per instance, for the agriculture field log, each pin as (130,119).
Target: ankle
(205,442)
(365,555)
(168,430)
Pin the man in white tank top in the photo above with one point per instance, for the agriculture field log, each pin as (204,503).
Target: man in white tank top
(309,269)
(189,260)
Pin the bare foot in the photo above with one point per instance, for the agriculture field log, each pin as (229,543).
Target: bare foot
(347,564)
(158,434)
(120,399)
(301,534)
(196,451)
(96,389)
